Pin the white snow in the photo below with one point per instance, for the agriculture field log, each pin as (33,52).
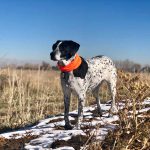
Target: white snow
(51,129)
(65,148)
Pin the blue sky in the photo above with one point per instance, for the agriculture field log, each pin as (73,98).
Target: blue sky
(119,29)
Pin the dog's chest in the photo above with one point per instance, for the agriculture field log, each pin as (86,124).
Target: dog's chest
(78,85)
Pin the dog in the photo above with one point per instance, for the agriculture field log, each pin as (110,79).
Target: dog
(78,76)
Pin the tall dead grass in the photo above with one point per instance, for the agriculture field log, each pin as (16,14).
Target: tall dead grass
(28,95)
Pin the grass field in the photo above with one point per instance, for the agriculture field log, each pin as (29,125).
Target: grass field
(27,96)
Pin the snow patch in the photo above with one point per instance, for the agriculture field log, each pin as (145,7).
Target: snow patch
(52,129)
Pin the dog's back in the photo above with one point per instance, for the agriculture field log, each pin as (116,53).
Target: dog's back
(100,68)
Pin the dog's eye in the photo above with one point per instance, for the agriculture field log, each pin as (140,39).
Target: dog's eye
(61,47)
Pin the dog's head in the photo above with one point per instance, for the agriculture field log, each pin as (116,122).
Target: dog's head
(64,50)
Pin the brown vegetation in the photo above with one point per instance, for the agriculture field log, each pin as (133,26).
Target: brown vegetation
(29,95)
(133,131)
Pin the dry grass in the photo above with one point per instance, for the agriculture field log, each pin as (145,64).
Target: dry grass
(27,96)
(132,132)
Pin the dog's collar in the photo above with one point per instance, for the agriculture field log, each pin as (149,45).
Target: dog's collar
(74,64)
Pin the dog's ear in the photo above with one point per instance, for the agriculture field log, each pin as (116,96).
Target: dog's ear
(74,47)
(55,44)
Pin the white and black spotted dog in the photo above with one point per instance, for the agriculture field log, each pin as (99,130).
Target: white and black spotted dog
(88,76)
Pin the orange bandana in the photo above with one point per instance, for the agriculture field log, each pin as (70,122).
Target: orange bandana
(74,64)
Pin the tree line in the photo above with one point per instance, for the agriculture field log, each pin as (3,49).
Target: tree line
(131,66)
(125,65)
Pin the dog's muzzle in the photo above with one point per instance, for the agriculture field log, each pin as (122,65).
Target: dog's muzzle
(52,56)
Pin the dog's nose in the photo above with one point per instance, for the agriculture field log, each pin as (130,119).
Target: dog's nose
(52,56)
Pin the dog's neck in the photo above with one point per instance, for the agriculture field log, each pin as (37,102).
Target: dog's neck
(66,62)
(80,71)
(72,64)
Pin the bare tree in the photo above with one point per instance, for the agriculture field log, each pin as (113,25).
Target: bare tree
(128,65)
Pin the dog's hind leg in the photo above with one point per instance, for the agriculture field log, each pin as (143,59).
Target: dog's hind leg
(112,87)
(96,96)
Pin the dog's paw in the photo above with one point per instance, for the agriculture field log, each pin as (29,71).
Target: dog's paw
(68,127)
(77,127)
(100,113)
(113,110)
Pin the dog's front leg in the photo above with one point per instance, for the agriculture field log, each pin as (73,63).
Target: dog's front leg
(66,109)
(81,102)
(67,95)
